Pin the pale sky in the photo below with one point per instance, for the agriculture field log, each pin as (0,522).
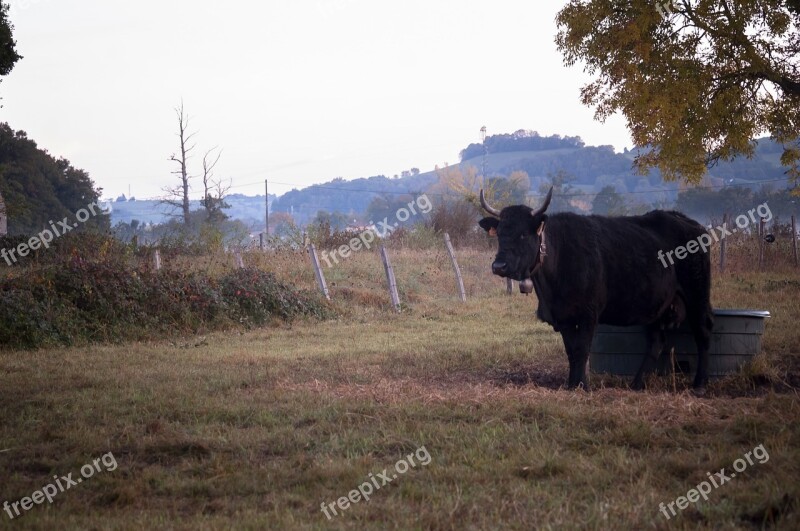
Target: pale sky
(294,91)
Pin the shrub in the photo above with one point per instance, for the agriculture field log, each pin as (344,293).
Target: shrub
(460,220)
(256,297)
(82,301)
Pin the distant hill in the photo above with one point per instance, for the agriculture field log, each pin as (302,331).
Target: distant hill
(599,166)
(589,168)
(348,197)
(248,209)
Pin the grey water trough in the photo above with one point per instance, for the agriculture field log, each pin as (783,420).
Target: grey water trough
(735,340)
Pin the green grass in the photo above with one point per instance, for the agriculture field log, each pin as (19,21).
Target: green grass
(254,430)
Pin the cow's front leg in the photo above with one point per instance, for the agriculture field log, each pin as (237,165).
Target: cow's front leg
(568,335)
(578,342)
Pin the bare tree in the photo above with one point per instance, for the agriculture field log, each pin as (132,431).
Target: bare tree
(214,190)
(178,195)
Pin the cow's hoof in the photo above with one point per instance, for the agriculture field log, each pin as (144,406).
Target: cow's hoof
(699,391)
(637,386)
(580,386)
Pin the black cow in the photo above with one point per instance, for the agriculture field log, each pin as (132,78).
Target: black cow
(595,269)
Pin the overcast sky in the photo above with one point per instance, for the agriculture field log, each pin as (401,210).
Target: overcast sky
(294,91)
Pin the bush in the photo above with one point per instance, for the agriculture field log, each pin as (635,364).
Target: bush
(256,297)
(83,302)
(92,246)
(460,220)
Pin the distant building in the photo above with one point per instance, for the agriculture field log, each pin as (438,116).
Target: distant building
(3,217)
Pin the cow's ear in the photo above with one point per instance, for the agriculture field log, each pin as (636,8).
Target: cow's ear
(489,225)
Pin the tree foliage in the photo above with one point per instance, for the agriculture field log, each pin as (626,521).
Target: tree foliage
(8,46)
(522,140)
(38,188)
(609,203)
(336,221)
(696,80)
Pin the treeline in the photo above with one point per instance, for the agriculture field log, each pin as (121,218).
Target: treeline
(348,197)
(584,165)
(522,140)
(704,204)
(589,168)
(38,188)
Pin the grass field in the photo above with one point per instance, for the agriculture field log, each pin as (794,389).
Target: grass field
(256,429)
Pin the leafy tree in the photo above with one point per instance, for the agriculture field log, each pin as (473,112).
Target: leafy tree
(335,220)
(386,207)
(703,202)
(563,192)
(521,140)
(697,80)
(8,46)
(282,224)
(511,191)
(609,203)
(38,188)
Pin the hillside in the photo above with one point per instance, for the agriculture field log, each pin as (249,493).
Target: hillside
(588,169)
(247,209)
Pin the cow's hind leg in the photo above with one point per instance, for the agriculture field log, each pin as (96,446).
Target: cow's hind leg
(655,342)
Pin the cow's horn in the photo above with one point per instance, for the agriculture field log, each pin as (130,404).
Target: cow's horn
(546,204)
(486,206)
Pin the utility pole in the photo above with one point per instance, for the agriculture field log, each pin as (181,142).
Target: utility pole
(266,204)
(485,153)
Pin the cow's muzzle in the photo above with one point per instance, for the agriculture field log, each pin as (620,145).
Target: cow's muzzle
(499,268)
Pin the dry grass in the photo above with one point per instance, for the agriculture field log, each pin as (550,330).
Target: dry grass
(254,430)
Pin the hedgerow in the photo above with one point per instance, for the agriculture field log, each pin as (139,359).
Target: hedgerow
(73,300)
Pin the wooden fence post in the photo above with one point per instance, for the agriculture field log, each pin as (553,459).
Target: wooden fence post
(157,260)
(509,286)
(459,279)
(794,241)
(387,265)
(762,229)
(723,246)
(261,240)
(323,286)
(237,258)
